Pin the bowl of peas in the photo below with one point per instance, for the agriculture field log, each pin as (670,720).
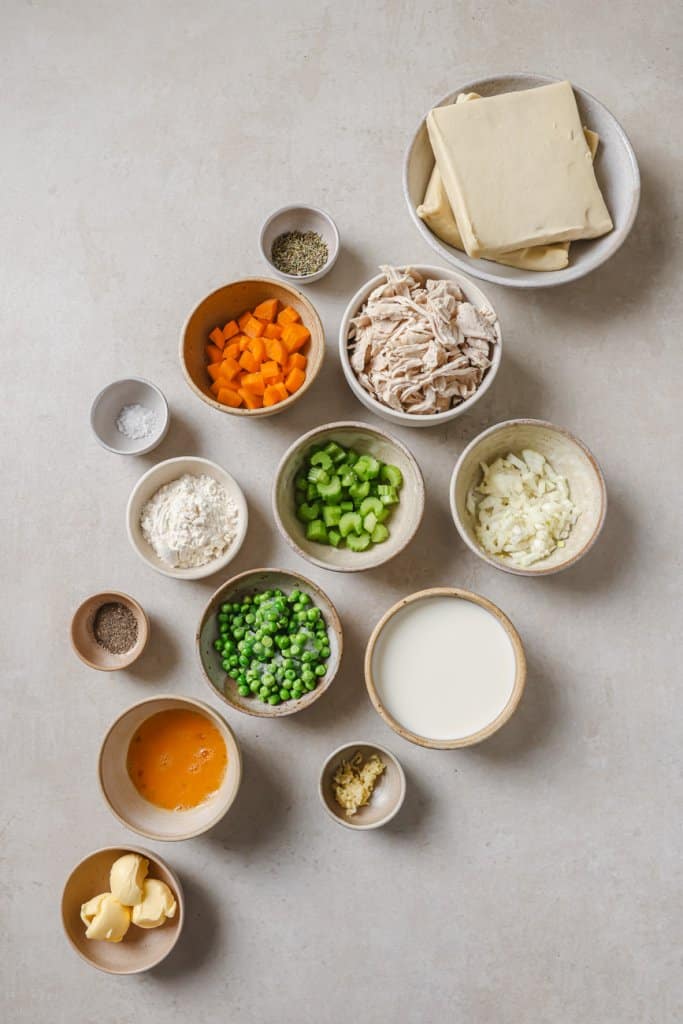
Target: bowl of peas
(269,642)
(348,496)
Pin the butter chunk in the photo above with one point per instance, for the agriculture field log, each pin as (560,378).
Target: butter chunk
(158,903)
(106,919)
(126,878)
(517,170)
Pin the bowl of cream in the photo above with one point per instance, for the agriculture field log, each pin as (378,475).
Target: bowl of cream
(445,668)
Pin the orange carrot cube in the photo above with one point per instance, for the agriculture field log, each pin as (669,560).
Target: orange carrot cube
(248,362)
(243,320)
(230,330)
(267,310)
(232,350)
(257,349)
(276,350)
(295,336)
(217,337)
(228,396)
(297,359)
(270,370)
(251,400)
(253,382)
(270,396)
(214,353)
(273,331)
(229,368)
(254,328)
(288,316)
(294,379)
(214,370)
(244,342)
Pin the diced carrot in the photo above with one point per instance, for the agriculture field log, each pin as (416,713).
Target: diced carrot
(243,320)
(228,396)
(231,329)
(270,396)
(281,390)
(217,337)
(229,368)
(273,331)
(216,386)
(294,379)
(288,316)
(248,362)
(269,370)
(276,350)
(295,336)
(252,382)
(232,350)
(257,349)
(254,328)
(244,342)
(251,400)
(214,370)
(214,353)
(297,359)
(267,310)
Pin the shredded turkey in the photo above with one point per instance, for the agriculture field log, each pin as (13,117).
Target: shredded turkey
(418,346)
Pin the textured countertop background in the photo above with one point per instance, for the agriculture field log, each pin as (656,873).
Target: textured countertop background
(532,879)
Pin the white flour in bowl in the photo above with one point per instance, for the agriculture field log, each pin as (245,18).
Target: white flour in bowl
(190,521)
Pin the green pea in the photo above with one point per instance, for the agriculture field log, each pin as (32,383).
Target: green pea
(268,679)
(226,665)
(218,645)
(297,693)
(284,693)
(312,685)
(320,670)
(264,691)
(255,686)
(274,699)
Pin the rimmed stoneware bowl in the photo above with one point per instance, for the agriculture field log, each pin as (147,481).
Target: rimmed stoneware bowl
(164,473)
(255,581)
(488,729)
(141,948)
(110,401)
(387,796)
(300,218)
(83,637)
(567,456)
(473,294)
(405,517)
(138,814)
(616,169)
(228,303)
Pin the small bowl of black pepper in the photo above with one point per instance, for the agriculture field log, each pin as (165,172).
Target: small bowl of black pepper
(109,631)
(300,243)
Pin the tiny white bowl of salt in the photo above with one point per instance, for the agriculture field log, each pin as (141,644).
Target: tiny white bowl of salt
(130,417)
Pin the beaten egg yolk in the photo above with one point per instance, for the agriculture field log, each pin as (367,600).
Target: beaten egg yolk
(177,759)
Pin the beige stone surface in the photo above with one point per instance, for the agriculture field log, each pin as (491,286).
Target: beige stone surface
(532,879)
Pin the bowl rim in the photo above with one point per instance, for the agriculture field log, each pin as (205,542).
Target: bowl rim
(311,313)
(399,417)
(307,439)
(128,658)
(516,570)
(331,258)
(157,439)
(520,669)
(235,758)
(571,273)
(155,858)
(354,827)
(217,564)
(258,711)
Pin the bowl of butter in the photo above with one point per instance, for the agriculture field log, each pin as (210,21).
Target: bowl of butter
(523,180)
(123,909)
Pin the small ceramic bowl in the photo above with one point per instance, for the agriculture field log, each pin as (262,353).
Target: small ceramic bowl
(253,582)
(164,473)
(228,303)
(381,633)
(300,218)
(616,169)
(405,517)
(134,811)
(387,797)
(405,419)
(83,637)
(141,948)
(111,400)
(567,456)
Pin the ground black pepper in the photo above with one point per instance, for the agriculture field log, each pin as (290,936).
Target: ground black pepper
(115,627)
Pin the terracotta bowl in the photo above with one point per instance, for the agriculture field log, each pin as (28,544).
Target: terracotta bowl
(387,797)
(226,304)
(405,518)
(567,456)
(141,948)
(83,638)
(134,811)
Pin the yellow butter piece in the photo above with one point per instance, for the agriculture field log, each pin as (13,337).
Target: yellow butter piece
(157,904)
(105,918)
(517,170)
(126,878)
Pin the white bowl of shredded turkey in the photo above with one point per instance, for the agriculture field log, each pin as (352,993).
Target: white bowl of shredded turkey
(419,345)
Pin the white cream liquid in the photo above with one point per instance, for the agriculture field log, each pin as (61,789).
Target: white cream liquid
(444,667)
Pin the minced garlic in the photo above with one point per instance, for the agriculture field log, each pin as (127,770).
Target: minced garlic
(354,781)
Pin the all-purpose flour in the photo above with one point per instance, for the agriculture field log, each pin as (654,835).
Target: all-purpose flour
(190,521)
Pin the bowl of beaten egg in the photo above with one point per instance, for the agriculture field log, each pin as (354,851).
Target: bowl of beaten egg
(170,768)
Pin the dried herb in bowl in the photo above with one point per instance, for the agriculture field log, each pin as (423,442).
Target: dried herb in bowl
(299,253)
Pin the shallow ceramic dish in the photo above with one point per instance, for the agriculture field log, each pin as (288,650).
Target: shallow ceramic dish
(374,687)
(141,948)
(138,814)
(110,401)
(228,303)
(405,517)
(567,456)
(473,294)
(164,473)
(253,582)
(616,170)
(387,796)
(83,638)
(300,218)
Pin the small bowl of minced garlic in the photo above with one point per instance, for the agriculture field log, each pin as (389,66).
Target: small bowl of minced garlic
(362,786)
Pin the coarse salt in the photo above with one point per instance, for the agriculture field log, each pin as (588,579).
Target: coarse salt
(136,422)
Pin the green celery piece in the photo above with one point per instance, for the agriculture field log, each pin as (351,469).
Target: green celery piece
(371,504)
(307,513)
(311,492)
(358,543)
(350,521)
(316,531)
(359,491)
(331,515)
(351,456)
(336,452)
(369,522)
(322,459)
(391,475)
(330,490)
(333,538)
(346,506)
(367,467)
(317,475)
(379,534)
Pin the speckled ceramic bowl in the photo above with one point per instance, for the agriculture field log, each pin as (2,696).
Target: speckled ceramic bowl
(387,797)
